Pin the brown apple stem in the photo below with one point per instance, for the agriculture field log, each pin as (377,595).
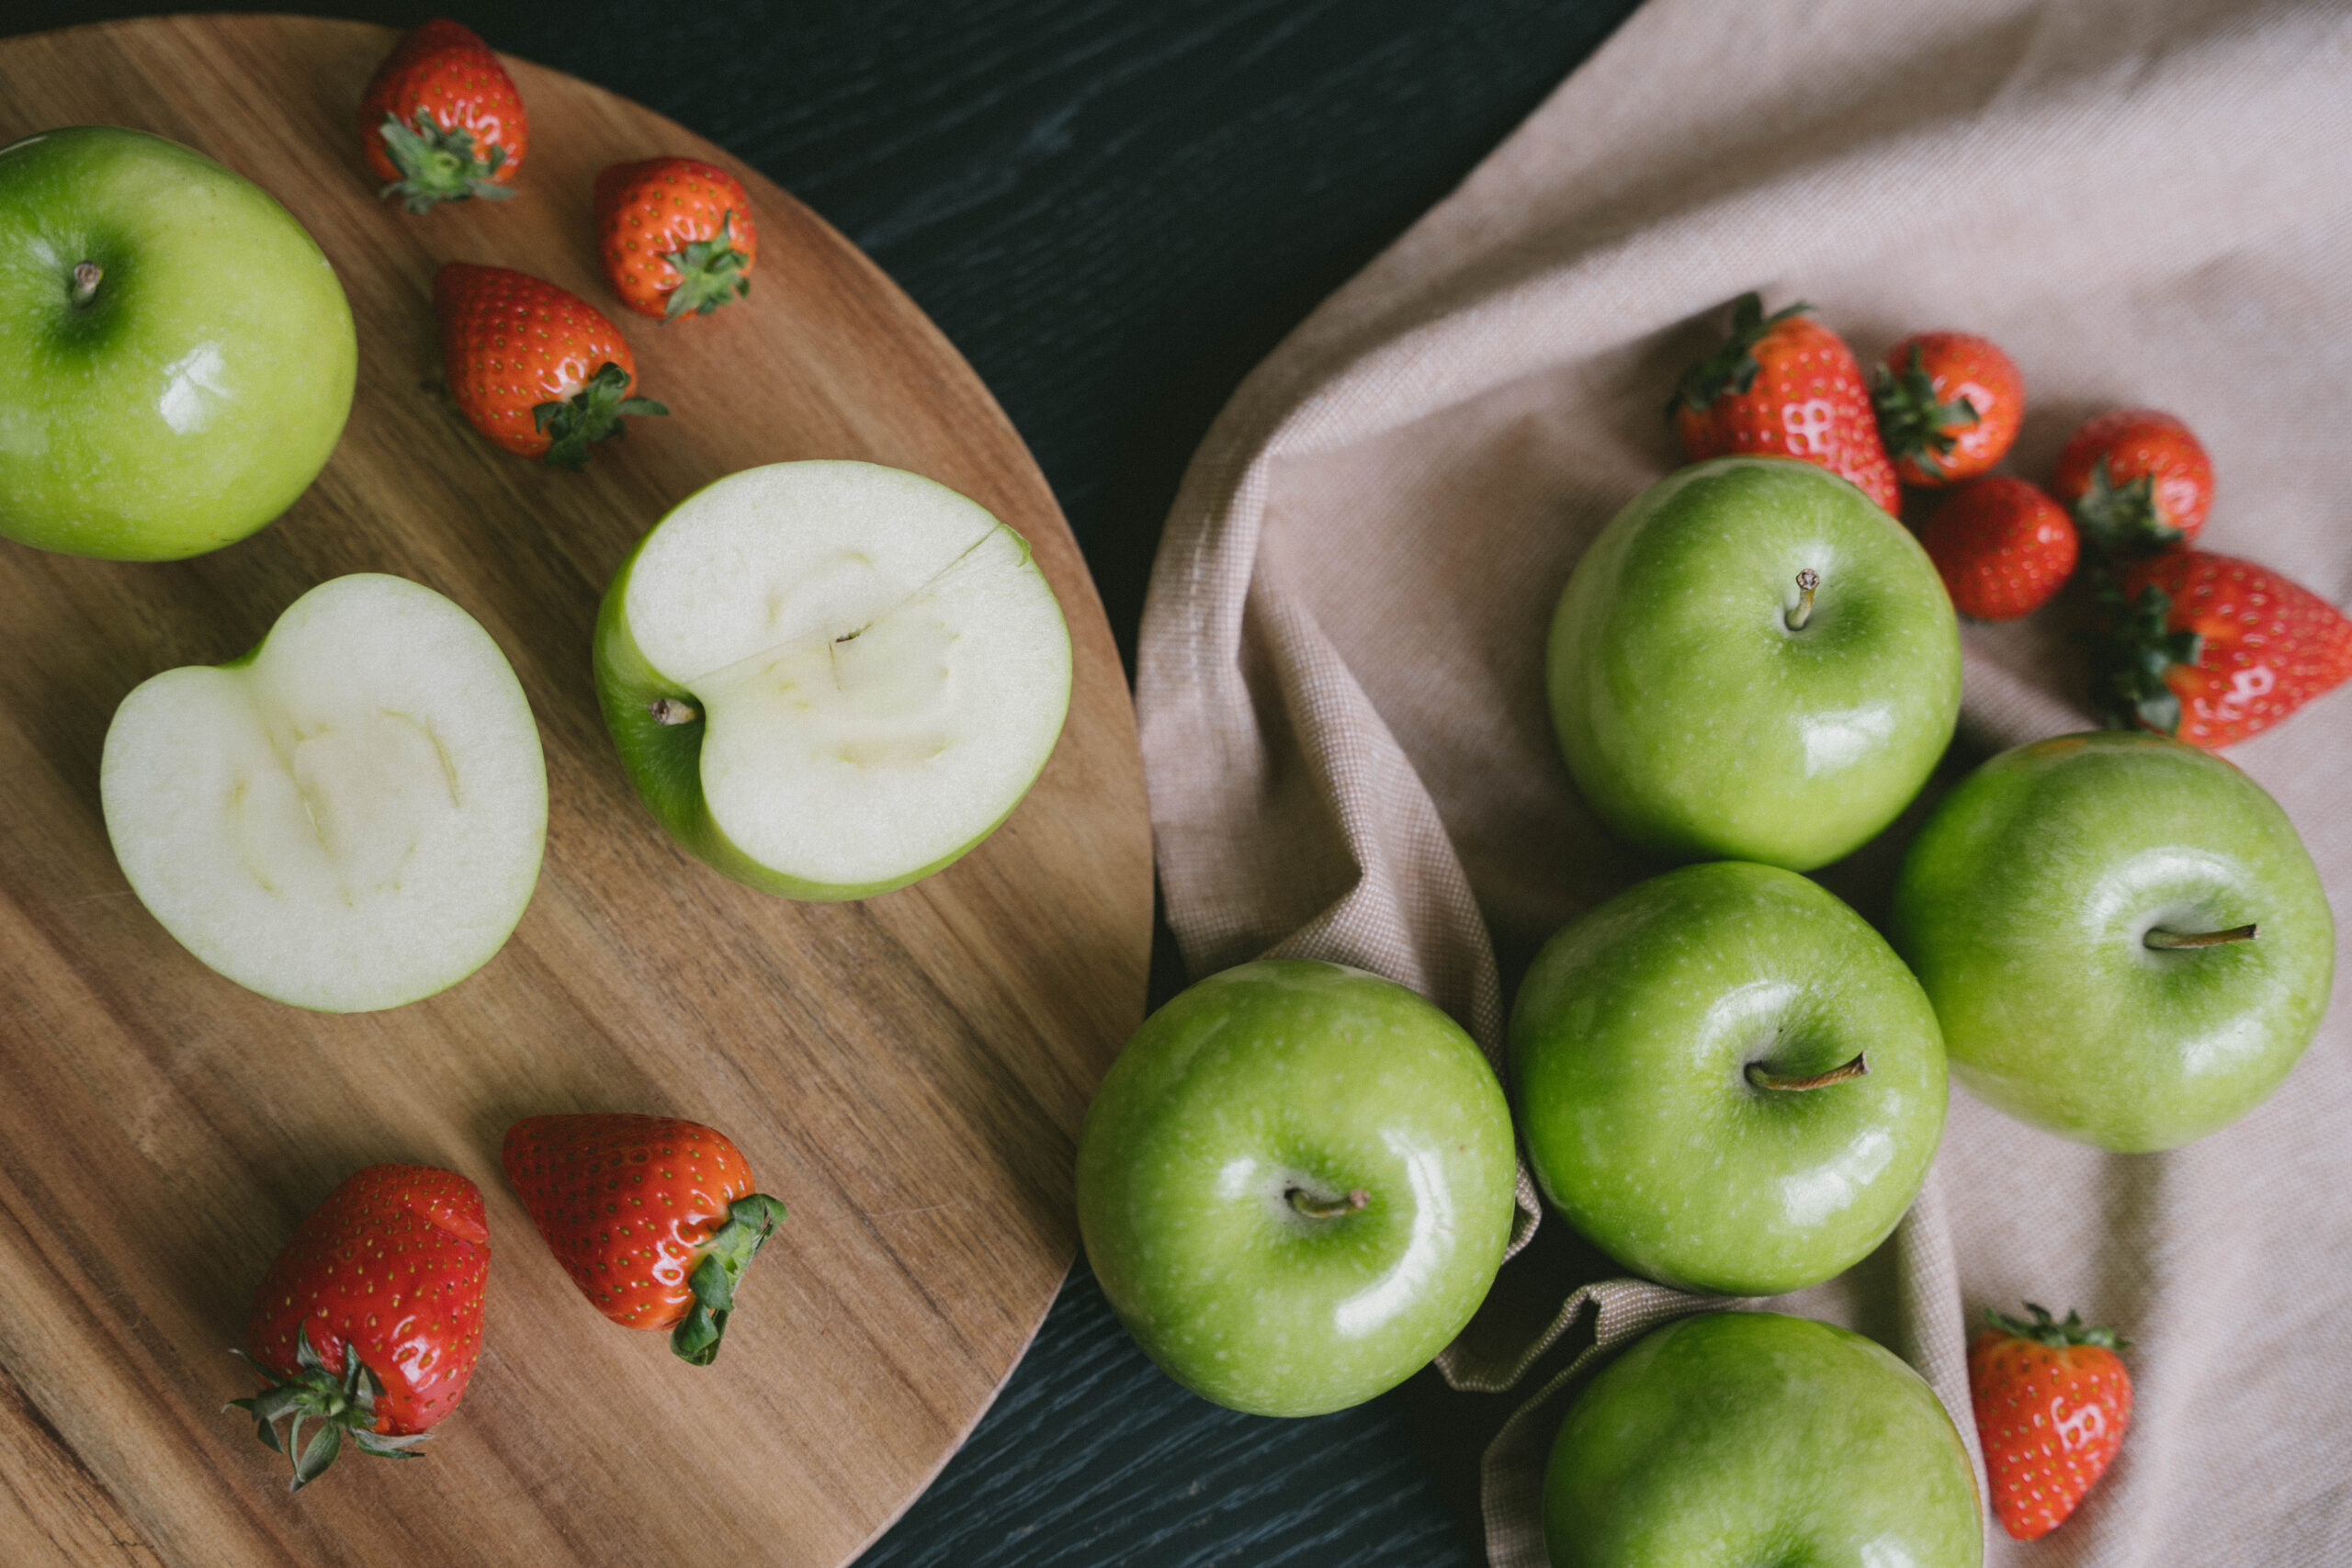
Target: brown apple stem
(85,281)
(1807,581)
(2169,941)
(1763,1077)
(669,710)
(1315,1208)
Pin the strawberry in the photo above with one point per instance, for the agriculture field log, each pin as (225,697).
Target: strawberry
(2003,546)
(1949,406)
(677,235)
(2053,1400)
(654,1218)
(536,369)
(1786,385)
(2137,480)
(441,120)
(369,1322)
(2213,649)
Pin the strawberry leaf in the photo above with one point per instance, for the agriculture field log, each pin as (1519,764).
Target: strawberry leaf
(2122,522)
(439,164)
(314,1394)
(591,414)
(1912,421)
(2042,1330)
(711,273)
(749,1222)
(1733,367)
(2131,649)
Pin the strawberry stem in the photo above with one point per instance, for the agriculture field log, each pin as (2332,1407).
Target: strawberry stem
(2173,942)
(1315,1208)
(749,1222)
(438,164)
(591,413)
(1807,581)
(1765,1078)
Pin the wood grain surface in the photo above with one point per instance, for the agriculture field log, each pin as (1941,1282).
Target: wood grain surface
(907,1073)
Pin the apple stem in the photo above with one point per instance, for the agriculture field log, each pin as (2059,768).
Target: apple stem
(669,710)
(85,281)
(1807,581)
(1315,1208)
(1763,1077)
(2166,940)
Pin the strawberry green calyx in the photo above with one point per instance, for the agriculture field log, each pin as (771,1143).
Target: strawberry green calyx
(1733,367)
(711,273)
(2122,520)
(438,164)
(591,413)
(2045,1330)
(1912,421)
(339,1405)
(2131,649)
(749,1222)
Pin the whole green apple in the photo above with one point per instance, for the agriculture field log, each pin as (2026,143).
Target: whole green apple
(1753,661)
(1726,1080)
(176,357)
(2125,939)
(1296,1186)
(1738,1438)
(830,678)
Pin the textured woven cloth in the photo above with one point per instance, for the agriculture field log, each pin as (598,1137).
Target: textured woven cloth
(1340,689)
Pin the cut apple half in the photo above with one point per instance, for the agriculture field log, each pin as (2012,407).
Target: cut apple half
(830,679)
(348,817)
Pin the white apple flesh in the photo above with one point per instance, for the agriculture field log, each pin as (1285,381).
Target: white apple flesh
(828,679)
(347,819)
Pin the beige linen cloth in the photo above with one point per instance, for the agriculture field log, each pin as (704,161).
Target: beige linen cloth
(2147,201)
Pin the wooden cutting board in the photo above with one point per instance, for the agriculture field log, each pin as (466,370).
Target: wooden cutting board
(907,1073)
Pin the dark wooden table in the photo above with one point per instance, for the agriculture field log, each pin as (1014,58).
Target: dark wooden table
(1114,207)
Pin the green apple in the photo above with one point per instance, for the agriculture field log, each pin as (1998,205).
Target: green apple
(176,355)
(1726,1080)
(349,816)
(1753,661)
(2125,939)
(830,678)
(1296,1186)
(1736,1438)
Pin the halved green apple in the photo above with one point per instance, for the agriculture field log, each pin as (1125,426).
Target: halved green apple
(348,817)
(830,679)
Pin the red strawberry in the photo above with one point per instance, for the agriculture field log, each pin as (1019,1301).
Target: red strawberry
(677,235)
(654,1218)
(2136,479)
(2003,546)
(369,1322)
(2213,649)
(2052,1401)
(1786,385)
(1949,405)
(441,120)
(536,369)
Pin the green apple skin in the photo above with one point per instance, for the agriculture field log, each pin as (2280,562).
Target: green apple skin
(1631,1041)
(664,762)
(1291,1074)
(1696,723)
(1737,1439)
(2024,906)
(206,381)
